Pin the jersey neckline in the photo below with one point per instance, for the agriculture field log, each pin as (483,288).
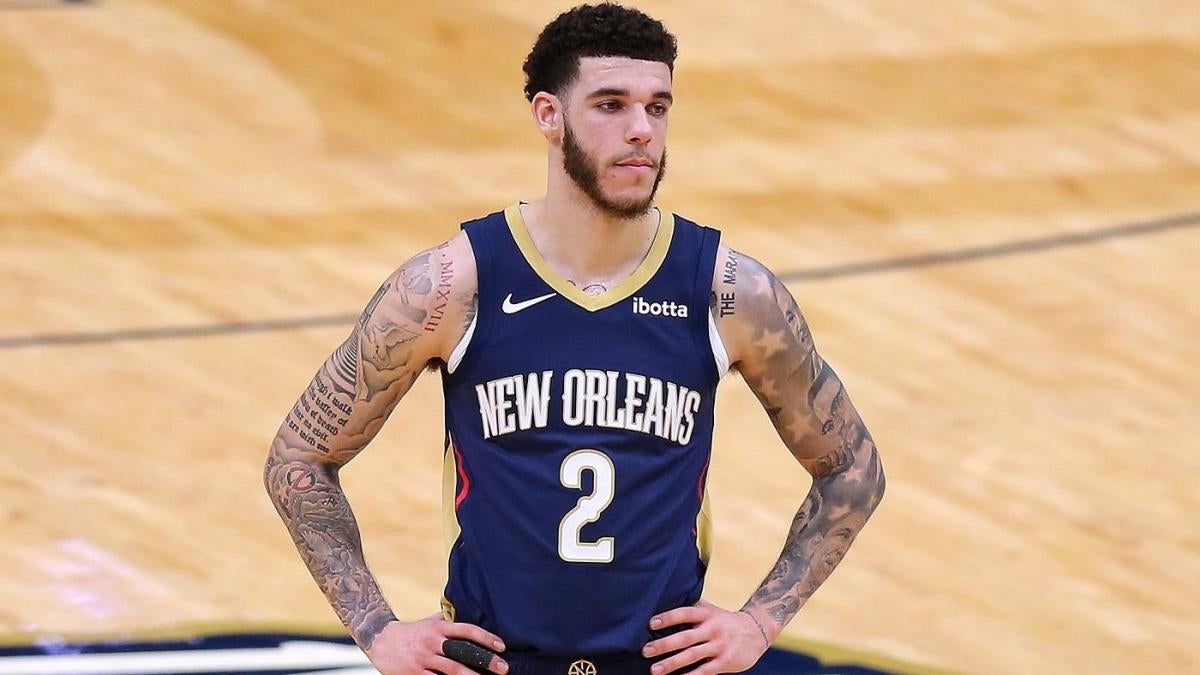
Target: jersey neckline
(644,272)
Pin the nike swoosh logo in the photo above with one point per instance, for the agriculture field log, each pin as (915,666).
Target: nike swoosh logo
(511,307)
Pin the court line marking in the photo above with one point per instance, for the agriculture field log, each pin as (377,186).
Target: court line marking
(970,253)
(1018,246)
(293,655)
(828,654)
(171,332)
(45,4)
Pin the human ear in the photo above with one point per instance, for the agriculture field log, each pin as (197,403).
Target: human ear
(548,113)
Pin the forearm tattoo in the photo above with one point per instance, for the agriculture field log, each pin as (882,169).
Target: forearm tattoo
(337,415)
(310,500)
(810,409)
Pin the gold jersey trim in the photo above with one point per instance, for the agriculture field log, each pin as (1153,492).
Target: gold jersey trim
(652,262)
(704,529)
(451,528)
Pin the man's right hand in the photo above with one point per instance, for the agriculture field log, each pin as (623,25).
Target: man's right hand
(416,648)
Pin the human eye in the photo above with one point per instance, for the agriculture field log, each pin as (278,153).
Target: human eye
(658,109)
(609,105)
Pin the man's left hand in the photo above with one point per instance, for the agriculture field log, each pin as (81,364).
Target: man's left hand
(730,641)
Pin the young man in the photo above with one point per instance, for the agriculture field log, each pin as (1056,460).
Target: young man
(581,338)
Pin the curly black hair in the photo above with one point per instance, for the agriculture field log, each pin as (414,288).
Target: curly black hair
(607,29)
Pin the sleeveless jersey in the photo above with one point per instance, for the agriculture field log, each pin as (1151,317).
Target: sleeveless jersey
(579,431)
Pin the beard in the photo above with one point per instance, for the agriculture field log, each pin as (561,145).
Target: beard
(583,169)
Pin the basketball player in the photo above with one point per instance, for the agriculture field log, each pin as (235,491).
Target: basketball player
(580,339)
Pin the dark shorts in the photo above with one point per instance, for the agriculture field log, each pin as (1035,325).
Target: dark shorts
(533,663)
(526,663)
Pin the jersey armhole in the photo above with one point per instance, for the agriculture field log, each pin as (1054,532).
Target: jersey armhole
(462,355)
(460,349)
(720,355)
(707,339)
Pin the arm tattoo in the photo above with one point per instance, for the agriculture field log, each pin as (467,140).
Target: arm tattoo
(472,311)
(310,500)
(729,276)
(337,415)
(808,405)
(445,277)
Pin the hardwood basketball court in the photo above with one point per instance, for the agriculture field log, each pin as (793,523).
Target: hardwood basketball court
(196,198)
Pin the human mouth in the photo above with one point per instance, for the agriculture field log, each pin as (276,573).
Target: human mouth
(637,163)
(639,167)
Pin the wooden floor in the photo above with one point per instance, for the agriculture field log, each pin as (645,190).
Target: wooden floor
(195,164)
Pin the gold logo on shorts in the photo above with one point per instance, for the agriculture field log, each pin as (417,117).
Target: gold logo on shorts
(582,667)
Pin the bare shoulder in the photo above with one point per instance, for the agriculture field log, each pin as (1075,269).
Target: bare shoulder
(426,303)
(749,302)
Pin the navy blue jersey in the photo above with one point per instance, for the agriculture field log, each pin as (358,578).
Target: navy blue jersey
(579,431)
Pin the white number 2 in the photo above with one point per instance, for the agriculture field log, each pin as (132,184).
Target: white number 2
(589,507)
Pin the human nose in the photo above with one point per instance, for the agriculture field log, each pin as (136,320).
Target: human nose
(640,130)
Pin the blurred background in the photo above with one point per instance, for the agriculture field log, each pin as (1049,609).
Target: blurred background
(988,210)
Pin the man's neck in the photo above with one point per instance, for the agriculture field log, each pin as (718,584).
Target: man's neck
(586,245)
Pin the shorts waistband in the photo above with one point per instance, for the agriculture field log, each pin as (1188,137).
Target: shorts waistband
(629,663)
(528,663)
